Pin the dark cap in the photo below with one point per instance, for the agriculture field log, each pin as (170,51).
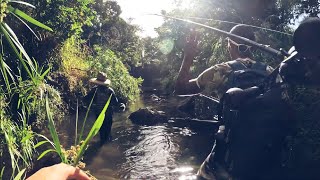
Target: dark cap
(306,37)
(244,31)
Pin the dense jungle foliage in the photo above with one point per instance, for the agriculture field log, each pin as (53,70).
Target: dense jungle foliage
(78,38)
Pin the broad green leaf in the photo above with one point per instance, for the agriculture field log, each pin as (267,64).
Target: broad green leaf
(1,173)
(26,138)
(9,39)
(45,152)
(16,41)
(86,117)
(44,137)
(20,174)
(10,142)
(4,74)
(40,143)
(27,26)
(53,131)
(24,3)
(28,18)
(76,129)
(94,130)
(45,73)
(9,72)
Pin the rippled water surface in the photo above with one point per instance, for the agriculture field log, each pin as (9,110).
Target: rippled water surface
(165,151)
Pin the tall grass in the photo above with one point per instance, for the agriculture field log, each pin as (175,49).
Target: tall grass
(19,142)
(85,119)
(94,131)
(17,135)
(13,41)
(75,154)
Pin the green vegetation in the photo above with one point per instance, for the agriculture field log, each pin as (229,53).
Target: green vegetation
(75,154)
(212,47)
(122,82)
(68,50)
(50,64)
(79,65)
(17,141)
(75,65)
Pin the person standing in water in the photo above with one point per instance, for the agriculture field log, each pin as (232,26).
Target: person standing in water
(101,93)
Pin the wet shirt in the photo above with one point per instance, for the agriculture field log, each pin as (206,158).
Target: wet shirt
(214,78)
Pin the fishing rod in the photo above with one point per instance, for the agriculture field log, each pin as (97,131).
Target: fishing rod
(234,23)
(278,53)
(201,95)
(178,119)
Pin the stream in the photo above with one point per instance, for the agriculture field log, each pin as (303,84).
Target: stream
(166,151)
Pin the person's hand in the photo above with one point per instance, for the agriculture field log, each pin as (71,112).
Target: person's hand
(122,106)
(191,44)
(59,172)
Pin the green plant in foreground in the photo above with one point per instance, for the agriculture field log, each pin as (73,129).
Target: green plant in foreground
(16,138)
(17,177)
(17,141)
(75,154)
(13,41)
(32,96)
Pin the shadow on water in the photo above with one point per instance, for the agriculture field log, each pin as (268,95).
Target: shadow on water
(165,151)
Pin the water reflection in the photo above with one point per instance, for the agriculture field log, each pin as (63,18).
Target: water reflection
(165,151)
(155,152)
(186,173)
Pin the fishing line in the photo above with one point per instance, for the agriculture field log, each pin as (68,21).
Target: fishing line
(248,41)
(230,22)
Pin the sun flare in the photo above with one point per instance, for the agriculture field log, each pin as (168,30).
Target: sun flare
(138,11)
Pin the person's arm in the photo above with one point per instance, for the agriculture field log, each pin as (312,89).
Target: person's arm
(115,101)
(183,84)
(212,78)
(269,69)
(59,172)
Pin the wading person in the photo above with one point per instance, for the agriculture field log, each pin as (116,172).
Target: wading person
(274,134)
(219,78)
(101,93)
(301,74)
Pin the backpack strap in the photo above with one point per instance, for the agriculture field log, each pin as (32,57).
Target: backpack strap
(259,66)
(240,71)
(236,65)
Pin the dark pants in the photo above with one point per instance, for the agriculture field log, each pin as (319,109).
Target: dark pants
(105,129)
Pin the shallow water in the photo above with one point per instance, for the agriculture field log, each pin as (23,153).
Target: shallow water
(165,151)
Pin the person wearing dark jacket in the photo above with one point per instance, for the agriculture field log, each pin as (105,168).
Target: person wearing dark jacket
(101,93)
(274,133)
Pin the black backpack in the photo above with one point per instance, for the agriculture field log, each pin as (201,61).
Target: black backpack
(255,128)
(244,77)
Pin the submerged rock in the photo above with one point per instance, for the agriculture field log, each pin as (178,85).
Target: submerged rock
(148,116)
